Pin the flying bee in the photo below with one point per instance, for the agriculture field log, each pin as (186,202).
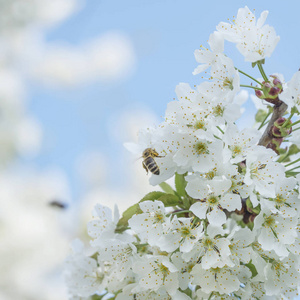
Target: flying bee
(58,204)
(149,163)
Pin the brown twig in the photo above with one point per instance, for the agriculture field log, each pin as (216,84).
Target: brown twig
(279,109)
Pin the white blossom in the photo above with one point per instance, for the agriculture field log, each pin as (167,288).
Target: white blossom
(212,199)
(152,223)
(157,272)
(274,231)
(291,94)
(81,272)
(181,234)
(254,40)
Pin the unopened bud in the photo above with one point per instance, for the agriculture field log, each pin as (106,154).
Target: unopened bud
(259,94)
(274,91)
(278,130)
(271,89)
(276,82)
(267,84)
(280,121)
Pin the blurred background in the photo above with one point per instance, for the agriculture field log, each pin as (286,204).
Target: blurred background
(77,80)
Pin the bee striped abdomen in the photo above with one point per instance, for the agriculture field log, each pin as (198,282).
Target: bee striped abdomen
(151,165)
(149,162)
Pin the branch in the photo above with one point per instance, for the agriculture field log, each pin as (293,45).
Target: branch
(279,109)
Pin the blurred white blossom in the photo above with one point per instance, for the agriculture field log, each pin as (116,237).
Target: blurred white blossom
(106,58)
(34,240)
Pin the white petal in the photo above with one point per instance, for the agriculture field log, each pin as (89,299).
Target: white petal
(200,69)
(210,259)
(216,42)
(199,209)
(227,282)
(231,202)
(216,217)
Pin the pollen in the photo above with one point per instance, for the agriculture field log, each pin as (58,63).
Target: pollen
(201,148)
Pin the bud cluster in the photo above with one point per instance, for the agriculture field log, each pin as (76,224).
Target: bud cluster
(270,89)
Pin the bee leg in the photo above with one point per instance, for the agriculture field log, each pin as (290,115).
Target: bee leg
(144,166)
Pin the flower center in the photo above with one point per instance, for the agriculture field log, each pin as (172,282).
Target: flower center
(218,110)
(228,83)
(213,200)
(279,199)
(201,148)
(185,231)
(211,174)
(236,150)
(163,269)
(255,171)
(208,244)
(279,267)
(199,125)
(269,221)
(158,217)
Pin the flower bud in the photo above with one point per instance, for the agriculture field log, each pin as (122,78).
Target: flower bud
(276,82)
(274,91)
(271,89)
(259,94)
(279,122)
(278,130)
(266,87)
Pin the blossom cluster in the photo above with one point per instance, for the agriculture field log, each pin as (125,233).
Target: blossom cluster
(228,229)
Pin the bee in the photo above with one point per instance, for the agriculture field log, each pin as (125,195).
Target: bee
(149,164)
(58,204)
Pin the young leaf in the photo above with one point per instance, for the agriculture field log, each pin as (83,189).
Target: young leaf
(169,200)
(293,150)
(152,196)
(260,115)
(180,184)
(127,214)
(252,269)
(166,188)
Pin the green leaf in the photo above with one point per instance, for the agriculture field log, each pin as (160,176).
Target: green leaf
(260,115)
(166,188)
(293,150)
(169,200)
(281,151)
(152,196)
(180,184)
(127,214)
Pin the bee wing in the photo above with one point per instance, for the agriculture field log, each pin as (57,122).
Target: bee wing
(133,148)
(138,158)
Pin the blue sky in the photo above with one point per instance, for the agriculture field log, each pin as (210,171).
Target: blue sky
(164,34)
